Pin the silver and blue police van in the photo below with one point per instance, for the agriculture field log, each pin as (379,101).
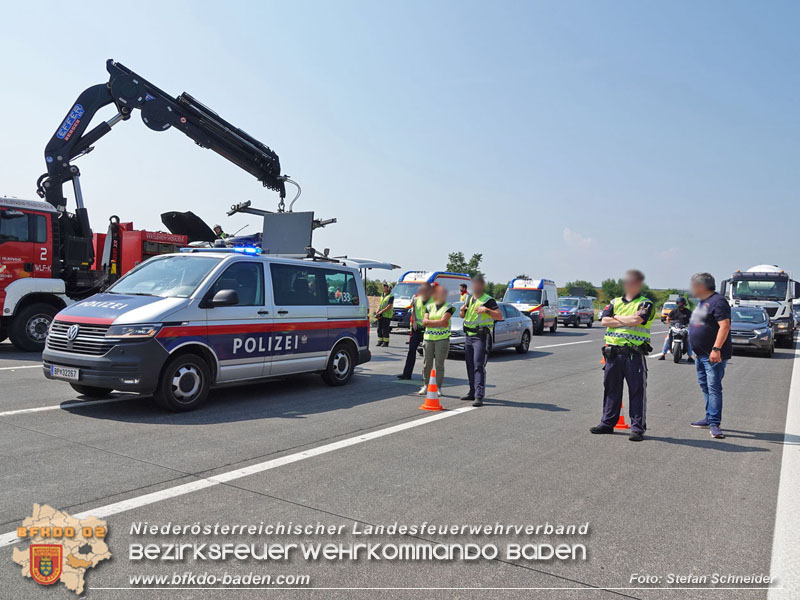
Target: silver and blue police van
(179,324)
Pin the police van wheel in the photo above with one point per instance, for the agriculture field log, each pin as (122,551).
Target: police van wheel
(554,326)
(28,330)
(524,343)
(341,365)
(184,383)
(91,392)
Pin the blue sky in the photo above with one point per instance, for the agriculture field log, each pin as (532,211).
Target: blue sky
(562,139)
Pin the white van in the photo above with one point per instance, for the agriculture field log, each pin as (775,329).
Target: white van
(537,298)
(408,284)
(180,323)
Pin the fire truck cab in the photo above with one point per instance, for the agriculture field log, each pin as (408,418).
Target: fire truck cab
(30,293)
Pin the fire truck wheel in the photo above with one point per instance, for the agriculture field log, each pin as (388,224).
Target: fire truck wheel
(91,392)
(28,330)
(184,383)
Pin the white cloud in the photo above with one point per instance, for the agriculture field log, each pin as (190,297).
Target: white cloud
(668,254)
(575,239)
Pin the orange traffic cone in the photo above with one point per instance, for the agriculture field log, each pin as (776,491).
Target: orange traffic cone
(621,424)
(432,398)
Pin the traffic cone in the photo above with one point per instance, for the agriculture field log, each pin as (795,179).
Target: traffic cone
(621,424)
(432,398)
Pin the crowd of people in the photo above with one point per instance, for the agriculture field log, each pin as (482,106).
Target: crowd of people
(627,319)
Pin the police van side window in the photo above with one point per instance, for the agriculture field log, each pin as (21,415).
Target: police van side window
(246,279)
(341,287)
(297,285)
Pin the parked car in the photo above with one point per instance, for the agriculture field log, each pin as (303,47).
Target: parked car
(751,330)
(575,311)
(514,331)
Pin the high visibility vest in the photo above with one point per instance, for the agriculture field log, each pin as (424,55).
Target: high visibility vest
(631,335)
(464,297)
(384,302)
(473,320)
(436,313)
(419,307)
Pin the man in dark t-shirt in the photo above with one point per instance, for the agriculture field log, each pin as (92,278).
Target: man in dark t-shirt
(710,337)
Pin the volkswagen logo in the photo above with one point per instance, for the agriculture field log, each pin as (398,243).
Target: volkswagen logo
(73,332)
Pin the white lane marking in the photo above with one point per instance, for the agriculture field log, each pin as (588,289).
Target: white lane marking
(20,367)
(22,411)
(785,557)
(9,538)
(564,344)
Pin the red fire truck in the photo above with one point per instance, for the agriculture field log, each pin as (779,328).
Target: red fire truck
(49,257)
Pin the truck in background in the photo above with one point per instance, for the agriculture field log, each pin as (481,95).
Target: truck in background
(536,298)
(768,287)
(408,284)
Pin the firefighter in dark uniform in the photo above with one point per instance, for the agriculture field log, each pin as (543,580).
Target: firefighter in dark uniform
(418,307)
(479,312)
(384,315)
(627,344)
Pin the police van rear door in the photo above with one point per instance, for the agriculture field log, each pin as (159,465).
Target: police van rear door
(240,335)
(301,317)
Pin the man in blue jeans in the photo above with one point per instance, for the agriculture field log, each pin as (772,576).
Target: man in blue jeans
(710,337)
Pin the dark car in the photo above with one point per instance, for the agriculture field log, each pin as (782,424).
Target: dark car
(751,330)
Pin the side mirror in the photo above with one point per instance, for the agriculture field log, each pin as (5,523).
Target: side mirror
(546,302)
(796,289)
(223,298)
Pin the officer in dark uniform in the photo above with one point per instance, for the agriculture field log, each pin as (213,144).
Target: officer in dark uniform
(628,320)
(384,316)
(419,306)
(479,312)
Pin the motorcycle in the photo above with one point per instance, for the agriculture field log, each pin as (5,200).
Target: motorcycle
(680,341)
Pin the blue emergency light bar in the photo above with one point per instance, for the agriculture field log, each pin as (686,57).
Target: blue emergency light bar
(237,249)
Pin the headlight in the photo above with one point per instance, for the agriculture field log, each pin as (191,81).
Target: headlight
(133,331)
(782,325)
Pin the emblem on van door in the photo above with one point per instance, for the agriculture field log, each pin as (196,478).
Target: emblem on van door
(73,332)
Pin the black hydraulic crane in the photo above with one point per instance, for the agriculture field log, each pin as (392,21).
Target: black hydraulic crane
(159,111)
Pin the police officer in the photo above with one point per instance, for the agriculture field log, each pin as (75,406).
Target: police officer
(479,312)
(418,306)
(628,320)
(437,336)
(384,315)
(464,295)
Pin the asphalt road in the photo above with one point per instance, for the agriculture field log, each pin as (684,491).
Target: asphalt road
(679,503)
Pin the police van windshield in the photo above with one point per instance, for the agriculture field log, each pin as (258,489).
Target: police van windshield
(405,290)
(523,296)
(171,276)
(567,302)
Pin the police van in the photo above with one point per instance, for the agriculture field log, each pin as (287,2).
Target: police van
(408,285)
(536,298)
(179,324)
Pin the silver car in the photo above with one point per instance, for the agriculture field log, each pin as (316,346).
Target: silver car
(514,331)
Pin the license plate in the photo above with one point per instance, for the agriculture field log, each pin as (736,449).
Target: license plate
(739,340)
(68,373)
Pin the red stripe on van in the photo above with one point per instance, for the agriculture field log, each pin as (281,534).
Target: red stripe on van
(87,320)
(170,332)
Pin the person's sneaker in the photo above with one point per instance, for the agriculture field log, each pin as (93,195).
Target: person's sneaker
(404,377)
(690,359)
(423,390)
(601,429)
(478,402)
(662,357)
(636,436)
(700,423)
(716,432)
(467,398)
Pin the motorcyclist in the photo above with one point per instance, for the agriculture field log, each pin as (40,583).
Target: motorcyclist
(680,315)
